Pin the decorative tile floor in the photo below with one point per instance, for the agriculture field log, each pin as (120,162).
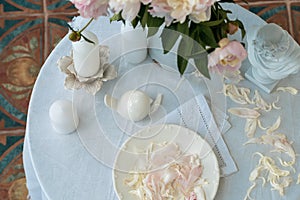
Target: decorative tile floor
(29,30)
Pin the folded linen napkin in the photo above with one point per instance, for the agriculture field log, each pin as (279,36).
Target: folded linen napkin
(195,114)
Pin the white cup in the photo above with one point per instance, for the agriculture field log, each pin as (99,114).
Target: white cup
(63,116)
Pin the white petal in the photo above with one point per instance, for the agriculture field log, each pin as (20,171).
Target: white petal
(290,90)
(244,112)
(250,127)
(275,126)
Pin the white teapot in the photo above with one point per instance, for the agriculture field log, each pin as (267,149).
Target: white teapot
(133,105)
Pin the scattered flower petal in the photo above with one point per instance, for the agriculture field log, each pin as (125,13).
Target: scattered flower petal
(239,95)
(275,126)
(180,178)
(274,104)
(298,180)
(260,102)
(250,127)
(278,178)
(261,126)
(244,113)
(254,141)
(290,90)
(249,192)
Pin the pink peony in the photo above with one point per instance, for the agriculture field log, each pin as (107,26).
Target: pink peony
(180,10)
(176,10)
(160,8)
(129,8)
(202,10)
(228,57)
(91,8)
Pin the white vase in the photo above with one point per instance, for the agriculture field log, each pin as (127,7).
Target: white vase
(273,53)
(134,43)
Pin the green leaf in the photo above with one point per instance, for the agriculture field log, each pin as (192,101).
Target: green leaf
(213,23)
(141,17)
(183,28)
(228,1)
(88,40)
(195,35)
(70,27)
(117,17)
(145,17)
(224,13)
(223,31)
(170,34)
(184,52)
(199,55)
(152,31)
(153,24)
(155,21)
(202,65)
(198,44)
(181,64)
(135,22)
(207,36)
(241,26)
(168,38)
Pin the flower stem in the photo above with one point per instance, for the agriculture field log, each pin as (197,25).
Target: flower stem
(86,25)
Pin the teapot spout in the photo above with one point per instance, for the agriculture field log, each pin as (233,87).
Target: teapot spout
(156,103)
(111,102)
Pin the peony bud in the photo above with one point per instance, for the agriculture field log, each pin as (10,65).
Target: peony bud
(75,36)
(232,28)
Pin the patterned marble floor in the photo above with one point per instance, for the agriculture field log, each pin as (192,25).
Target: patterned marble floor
(29,30)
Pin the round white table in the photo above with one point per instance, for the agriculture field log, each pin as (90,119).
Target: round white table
(60,166)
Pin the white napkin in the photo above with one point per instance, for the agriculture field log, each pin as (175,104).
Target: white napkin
(196,115)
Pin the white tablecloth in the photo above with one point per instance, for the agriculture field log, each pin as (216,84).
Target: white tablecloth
(60,167)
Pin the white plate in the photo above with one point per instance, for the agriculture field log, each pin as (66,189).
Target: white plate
(132,157)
